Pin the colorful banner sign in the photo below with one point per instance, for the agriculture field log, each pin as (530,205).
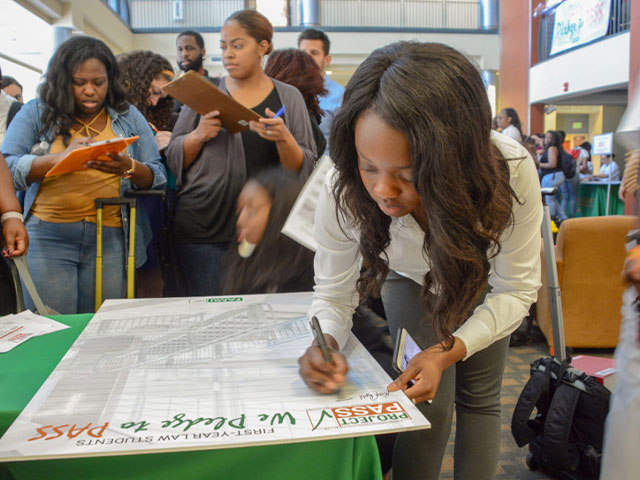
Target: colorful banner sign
(578,22)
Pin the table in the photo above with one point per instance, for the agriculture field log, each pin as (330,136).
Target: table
(25,368)
(594,196)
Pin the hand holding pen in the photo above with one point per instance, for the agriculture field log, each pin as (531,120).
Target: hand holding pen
(323,367)
(273,127)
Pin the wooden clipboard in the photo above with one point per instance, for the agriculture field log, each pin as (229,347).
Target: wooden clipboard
(197,92)
(75,160)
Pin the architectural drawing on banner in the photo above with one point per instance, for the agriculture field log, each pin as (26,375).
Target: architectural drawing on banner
(200,373)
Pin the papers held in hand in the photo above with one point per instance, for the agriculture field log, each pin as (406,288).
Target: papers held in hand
(75,160)
(200,94)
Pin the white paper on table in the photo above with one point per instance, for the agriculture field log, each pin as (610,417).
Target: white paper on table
(153,375)
(17,329)
(299,223)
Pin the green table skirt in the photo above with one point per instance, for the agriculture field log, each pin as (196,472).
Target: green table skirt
(593,201)
(25,368)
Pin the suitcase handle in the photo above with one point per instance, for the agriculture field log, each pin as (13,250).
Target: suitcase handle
(101,202)
(145,193)
(131,261)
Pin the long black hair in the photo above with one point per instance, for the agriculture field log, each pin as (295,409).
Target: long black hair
(278,264)
(56,93)
(435,96)
(515,119)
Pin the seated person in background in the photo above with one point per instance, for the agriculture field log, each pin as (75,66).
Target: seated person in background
(265,260)
(144,73)
(81,101)
(297,68)
(609,170)
(583,163)
(212,165)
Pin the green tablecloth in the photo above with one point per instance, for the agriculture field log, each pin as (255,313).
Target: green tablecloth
(25,368)
(593,200)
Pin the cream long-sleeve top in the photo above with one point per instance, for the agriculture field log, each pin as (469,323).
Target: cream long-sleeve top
(514,275)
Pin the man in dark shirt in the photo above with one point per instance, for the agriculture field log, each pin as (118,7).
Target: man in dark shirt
(190,53)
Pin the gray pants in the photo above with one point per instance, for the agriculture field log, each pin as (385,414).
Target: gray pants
(474,386)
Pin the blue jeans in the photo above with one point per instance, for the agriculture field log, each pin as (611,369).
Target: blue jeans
(554,179)
(570,191)
(201,265)
(62,263)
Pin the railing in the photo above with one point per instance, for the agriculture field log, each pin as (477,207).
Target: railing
(151,15)
(620,18)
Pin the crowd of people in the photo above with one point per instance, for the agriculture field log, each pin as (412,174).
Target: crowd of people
(455,257)
(559,166)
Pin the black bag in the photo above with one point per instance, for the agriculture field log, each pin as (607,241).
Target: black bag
(568,164)
(565,436)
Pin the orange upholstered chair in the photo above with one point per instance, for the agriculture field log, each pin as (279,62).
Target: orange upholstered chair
(590,253)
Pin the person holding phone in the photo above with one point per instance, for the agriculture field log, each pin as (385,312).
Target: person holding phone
(446,215)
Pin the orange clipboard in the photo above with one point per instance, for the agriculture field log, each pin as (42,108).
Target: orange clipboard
(74,161)
(197,92)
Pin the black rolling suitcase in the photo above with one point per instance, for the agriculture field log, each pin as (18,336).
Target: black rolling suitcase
(566,433)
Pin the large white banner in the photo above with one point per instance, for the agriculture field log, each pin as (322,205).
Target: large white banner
(578,22)
(151,375)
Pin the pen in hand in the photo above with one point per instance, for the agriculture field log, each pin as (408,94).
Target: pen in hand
(283,109)
(317,331)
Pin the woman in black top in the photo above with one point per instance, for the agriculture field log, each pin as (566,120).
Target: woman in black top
(212,165)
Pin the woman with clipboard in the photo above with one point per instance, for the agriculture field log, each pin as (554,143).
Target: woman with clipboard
(80,102)
(446,215)
(212,165)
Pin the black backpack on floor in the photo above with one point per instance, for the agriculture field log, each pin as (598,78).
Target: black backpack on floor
(565,436)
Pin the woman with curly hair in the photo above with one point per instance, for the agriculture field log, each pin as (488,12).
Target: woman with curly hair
(446,215)
(297,68)
(144,73)
(81,102)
